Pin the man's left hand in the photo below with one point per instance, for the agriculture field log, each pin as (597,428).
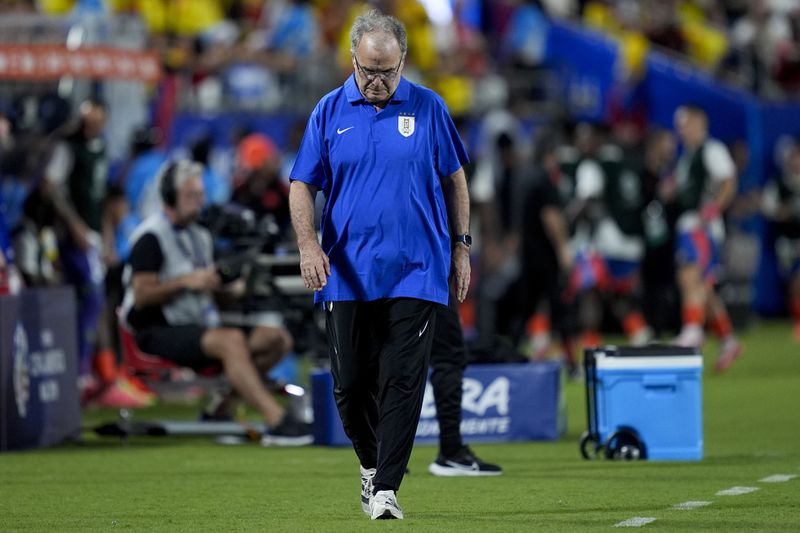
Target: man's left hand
(461,270)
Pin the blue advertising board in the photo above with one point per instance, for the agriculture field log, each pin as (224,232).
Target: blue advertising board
(39,402)
(505,402)
(586,65)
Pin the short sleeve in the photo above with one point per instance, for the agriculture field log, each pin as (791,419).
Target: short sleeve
(770,200)
(60,165)
(146,254)
(481,186)
(718,161)
(450,152)
(310,164)
(589,180)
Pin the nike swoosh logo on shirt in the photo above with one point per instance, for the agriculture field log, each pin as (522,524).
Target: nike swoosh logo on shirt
(344,130)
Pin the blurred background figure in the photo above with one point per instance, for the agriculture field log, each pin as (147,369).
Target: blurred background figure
(703,187)
(76,180)
(611,201)
(658,266)
(137,175)
(547,261)
(781,206)
(258,184)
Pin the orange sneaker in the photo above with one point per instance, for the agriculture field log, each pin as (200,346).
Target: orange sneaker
(137,383)
(122,395)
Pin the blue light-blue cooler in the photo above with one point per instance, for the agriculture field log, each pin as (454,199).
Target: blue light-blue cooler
(657,392)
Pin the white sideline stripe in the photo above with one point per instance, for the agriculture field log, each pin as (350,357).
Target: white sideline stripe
(737,491)
(778,478)
(636,521)
(688,506)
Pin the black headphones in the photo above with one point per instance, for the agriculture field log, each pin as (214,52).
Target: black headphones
(167,188)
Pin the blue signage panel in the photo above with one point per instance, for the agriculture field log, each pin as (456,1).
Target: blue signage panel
(39,403)
(586,64)
(670,84)
(508,402)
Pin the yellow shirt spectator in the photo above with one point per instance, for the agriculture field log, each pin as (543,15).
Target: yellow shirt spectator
(706,44)
(633,44)
(56,7)
(456,91)
(153,12)
(421,46)
(190,17)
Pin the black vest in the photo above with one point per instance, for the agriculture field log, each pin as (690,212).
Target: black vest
(87,181)
(623,195)
(692,179)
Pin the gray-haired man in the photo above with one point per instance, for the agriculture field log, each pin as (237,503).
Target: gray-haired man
(394,229)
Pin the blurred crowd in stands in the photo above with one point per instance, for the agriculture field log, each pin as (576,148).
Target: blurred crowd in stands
(543,190)
(282,53)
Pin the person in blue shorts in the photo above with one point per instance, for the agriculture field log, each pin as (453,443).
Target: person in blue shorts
(388,159)
(704,185)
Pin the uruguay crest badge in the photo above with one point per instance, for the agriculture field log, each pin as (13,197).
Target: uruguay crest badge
(405,125)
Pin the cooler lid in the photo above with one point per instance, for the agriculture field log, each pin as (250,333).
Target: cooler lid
(656,356)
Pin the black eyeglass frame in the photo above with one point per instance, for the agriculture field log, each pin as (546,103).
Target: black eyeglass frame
(385,75)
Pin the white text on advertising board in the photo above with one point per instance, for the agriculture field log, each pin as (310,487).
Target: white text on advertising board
(485,409)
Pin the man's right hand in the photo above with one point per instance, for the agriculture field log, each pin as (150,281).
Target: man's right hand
(203,280)
(314,266)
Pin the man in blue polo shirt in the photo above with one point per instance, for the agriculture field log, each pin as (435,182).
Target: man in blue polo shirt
(388,159)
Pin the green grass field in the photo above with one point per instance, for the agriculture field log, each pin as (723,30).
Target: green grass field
(752,430)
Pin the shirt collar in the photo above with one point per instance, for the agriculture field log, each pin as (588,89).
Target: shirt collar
(401,94)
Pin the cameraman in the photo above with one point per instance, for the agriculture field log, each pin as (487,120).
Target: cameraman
(169,283)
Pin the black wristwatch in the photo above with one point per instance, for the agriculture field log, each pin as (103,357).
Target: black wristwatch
(465,239)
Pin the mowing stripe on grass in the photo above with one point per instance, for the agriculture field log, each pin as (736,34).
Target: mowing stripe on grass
(688,506)
(778,478)
(636,521)
(737,491)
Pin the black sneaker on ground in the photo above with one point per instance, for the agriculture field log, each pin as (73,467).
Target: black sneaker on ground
(290,432)
(463,463)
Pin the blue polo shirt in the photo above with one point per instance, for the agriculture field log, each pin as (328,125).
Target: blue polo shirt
(384,226)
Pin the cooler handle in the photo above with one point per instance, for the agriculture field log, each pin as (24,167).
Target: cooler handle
(660,382)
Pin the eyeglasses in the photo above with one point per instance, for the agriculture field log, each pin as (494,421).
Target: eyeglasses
(370,74)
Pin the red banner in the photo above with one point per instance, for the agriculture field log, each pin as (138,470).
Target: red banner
(47,62)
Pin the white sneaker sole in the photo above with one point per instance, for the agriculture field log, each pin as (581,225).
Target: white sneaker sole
(388,513)
(448,471)
(273,440)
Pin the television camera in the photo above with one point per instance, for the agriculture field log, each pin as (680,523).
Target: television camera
(257,252)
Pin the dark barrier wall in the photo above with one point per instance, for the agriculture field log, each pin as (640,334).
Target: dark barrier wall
(39,404)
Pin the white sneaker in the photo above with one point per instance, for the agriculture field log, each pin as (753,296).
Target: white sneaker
(384,506)
(730,350)
(540,346)
(642,337)
(367,474)
(690,336)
